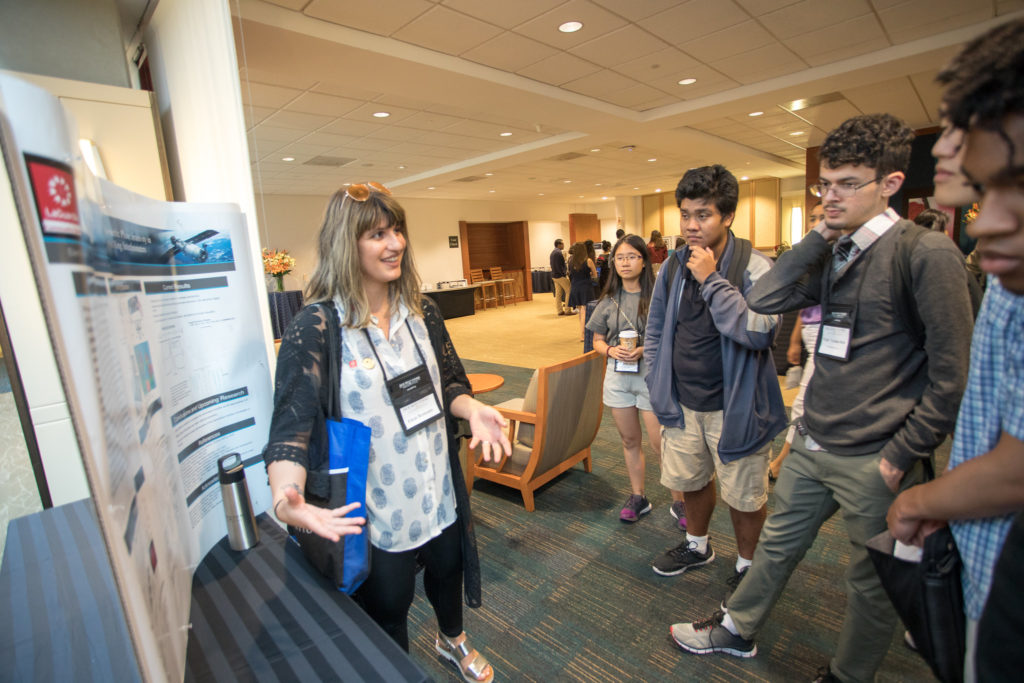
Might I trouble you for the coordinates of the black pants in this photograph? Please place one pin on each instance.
(387, 593)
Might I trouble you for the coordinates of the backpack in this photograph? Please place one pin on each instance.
(734, 274)
(903, 286)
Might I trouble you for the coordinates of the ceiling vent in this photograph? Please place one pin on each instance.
(334, 162)
(470, 179)
(568, 156)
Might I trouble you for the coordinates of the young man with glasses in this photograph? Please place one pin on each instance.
(879, 402)
(712, 380)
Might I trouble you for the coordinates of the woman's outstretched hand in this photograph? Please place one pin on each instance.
(488, 429)
(331, 524)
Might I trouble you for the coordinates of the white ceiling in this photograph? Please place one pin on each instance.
(592, 114)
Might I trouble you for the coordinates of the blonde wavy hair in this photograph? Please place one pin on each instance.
(338, 273)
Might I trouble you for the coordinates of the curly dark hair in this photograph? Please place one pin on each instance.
(710, 183)
(933, 219)
(878, 141)
(986, 79)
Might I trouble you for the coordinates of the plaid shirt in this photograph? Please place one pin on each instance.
(992, 404)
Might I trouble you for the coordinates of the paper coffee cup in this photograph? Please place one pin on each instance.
(628, 339)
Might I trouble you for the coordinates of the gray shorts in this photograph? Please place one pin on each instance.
(689, 460)
(625, 389)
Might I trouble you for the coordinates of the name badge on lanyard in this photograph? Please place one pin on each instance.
(412, 392)
(836, 331)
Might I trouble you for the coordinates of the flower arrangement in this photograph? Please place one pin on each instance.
(277, 263)
(971, 214)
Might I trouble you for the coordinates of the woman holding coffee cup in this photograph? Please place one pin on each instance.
(618, 324)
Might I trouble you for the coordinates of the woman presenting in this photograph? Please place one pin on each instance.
(417, 509)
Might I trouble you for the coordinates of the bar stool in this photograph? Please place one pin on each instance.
(476, 277)
(506, 285)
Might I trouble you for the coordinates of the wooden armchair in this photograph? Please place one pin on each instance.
(551, 428)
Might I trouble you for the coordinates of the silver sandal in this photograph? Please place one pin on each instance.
(471, 664)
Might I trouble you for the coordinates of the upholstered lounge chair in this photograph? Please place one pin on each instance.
(551, 428)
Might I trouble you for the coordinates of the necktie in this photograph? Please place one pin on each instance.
(843, 252)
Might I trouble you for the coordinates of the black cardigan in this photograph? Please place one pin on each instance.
(298, 431)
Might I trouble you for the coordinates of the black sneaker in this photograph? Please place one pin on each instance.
(825, 675)
(733, 582)
(709, 636)
(684, 556)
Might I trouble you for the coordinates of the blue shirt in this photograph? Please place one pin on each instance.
(992, 404)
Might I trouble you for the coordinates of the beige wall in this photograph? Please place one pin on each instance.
(291, 222)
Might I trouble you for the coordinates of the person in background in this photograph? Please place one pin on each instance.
(582, 273)
(619, 234)
(623, 307)
(604, 266)
(806, 331)
(880, 400)
(983, 486)
(417, 508)
(680, 243)
(933, 219)
(657, 248)
(560, 278)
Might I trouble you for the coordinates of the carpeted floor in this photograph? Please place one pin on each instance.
(569, 593)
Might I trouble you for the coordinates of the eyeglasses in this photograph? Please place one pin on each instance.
(360, 192)
(627, 258)
(841, 190)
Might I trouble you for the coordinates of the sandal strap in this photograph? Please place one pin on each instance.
(470, 660)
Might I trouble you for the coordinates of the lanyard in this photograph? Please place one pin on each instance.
(412, 392)
(622, 314)
(415, 345)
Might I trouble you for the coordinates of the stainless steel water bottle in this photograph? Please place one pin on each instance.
(242, 531)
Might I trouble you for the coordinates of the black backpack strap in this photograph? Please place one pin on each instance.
(333, 352)
(902, 284)
(673, 267)
(740, 260)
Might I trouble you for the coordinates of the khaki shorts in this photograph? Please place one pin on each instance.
(689, 460)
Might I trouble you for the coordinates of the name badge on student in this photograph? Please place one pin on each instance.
(836, 332)
(627, 366)
(412, 395)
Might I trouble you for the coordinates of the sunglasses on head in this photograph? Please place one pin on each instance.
(360, 192)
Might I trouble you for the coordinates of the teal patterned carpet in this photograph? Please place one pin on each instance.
(569, 593)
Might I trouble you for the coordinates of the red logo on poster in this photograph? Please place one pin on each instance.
(53, 187)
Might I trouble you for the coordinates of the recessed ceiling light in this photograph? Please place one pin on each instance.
(540, 194)
(287, 158)
(580, 196)
(745, 177)
(382, 114)
(566, 181)
(430, 188)
(491, 191)
(604, 199)
(570, 27)
(596, 149)
(688, 81)
(658, 189)
(401, 167)
(797, 132)
(652, 159)
(756, 113)
(597, 184)
(636, 188)
(506, 134)
(488, 174)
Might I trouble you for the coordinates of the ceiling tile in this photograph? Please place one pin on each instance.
(729, 42)
(339, 90)
(349, 127)
(446, 30)
(830, 114)
(930, 93)
(326, 105)
(294, 119)
(758, 7)
(504, 14)
(895, 96)
(1006, 6)
(635, 11)
(667, 63)
(263, 95)
(558, 69)
(427, 120)
(599, 84)
(618, 47)
(249, 74)
(509, 52)
(289, 4)
(395, 134)
(760, 64)
(693, 19)
(254, 115)
(366, 113)
(328, 139)
(382, 17)
(919, 18)
(812, 15)
(596, 22)
(267, 133)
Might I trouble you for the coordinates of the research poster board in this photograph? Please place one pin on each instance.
(153, 313)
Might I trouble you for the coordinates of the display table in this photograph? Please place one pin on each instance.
(264, 614)
(454, 302)
(283, 307)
